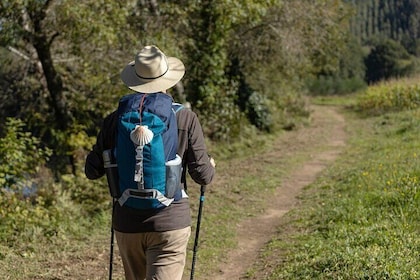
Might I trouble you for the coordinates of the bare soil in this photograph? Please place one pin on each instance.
(323, 140)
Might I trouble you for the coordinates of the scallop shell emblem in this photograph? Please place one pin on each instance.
(141, 135)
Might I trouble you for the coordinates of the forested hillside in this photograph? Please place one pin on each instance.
(395, 19)
(389, 32)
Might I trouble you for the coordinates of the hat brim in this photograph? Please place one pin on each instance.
(176, 71)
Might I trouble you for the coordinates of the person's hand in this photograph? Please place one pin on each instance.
(212, 162)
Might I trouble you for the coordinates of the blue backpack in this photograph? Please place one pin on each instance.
(149, 169)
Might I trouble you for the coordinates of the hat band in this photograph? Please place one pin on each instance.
(144, 78)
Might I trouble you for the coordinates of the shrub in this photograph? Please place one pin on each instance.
(33, 208)
(258, 112)
(389, 96)
(330, 85)
(92, 196)
(21, 157)
(28, 200)
(387, 59)
(253, 104)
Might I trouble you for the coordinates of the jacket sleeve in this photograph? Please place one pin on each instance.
(193, 148)
(94, 166)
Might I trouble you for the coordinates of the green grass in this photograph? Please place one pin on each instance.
(361, 219)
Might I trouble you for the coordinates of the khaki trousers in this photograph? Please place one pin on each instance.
(154, 255)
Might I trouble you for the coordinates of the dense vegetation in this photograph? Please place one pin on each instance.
(249, 66)
(246, 69)
(383, 44)
(394, 19)
(61, 62)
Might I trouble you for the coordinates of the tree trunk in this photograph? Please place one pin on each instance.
(42, 44)
(54, 82)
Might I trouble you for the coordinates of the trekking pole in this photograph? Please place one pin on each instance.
(111, 170)
(111, 249)
(197, 230)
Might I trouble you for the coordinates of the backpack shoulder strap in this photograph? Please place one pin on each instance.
(176, 107)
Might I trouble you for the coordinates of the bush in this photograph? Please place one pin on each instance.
(330, 85)
(28, 200)
(387, 59)
(255, 107)
(92, 196)
(33, 208)
(349, 77)
(21, 157)
(224, 126)
(251, 102)
(258, 112)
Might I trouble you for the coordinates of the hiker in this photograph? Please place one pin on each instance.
(153, 242)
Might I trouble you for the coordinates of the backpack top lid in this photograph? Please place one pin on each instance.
(159, 104)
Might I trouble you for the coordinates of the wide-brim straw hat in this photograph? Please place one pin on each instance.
(152, 71)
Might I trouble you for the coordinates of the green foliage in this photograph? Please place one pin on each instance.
(258, 111)
(252, 103)
(64, 68)
(350, 76)
(209, 88)
(208, 56)
(28, 202)
(390, 96)
(292, 109)
(310, 38)
(225, 125)
(91, 196)
(330, 85)
(34, 208)
(21, 156)
(87, 55)
(387, 59)
(29, 219)
(393, 19)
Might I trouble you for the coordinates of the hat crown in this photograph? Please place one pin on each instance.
(150, 63)
(152, 71)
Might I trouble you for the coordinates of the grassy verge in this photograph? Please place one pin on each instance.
(360, 220)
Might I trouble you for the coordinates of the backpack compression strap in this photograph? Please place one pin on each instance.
(145, 194)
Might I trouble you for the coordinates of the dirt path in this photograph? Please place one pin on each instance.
(323, 141)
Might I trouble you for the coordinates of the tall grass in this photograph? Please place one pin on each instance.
(395, 95)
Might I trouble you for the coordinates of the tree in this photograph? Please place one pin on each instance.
(210, 88)
(28, 23)
(59, 48)
(387, 59)
(67, 56)
(394, 19)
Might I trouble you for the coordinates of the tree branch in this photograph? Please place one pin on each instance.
(18, 53)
